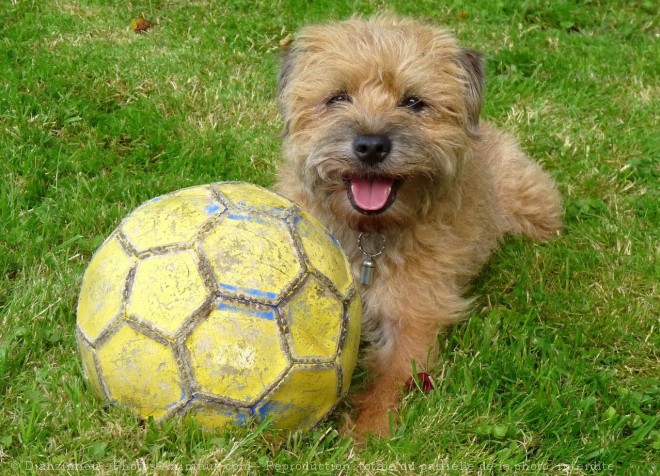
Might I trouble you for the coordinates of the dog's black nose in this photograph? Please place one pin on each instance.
(372, 149)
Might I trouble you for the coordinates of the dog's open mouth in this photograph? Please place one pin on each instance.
(371, 195)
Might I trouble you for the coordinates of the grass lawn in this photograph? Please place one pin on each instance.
(556, 370)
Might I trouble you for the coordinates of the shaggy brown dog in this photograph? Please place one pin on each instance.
(382, 135)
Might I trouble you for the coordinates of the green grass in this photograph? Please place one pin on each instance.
(555, 372)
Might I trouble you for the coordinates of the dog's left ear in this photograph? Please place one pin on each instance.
(472, 62)
(286, 65)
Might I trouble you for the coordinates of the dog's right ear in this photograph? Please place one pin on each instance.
(472, 62)
(286, 65)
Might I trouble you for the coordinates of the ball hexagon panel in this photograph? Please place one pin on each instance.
(252, 255)
(216, 416)
(237, 352)
(167, 290)
(171, 219)
(324, 252)
(89, 365)
(103, 288)
(249, 196)
(348, 359)
(314, 317)
(302, 398)
(151, 386)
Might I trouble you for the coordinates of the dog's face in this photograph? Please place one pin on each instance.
(377, 116)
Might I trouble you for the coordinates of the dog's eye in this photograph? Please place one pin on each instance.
(414, 104)
(339, 98)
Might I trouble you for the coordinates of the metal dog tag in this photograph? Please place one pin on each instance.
(369, 264)
(367, 271)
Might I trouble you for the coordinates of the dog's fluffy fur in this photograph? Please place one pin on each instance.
(390, 102)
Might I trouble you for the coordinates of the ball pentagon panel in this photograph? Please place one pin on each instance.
(237, 352)
(172, 219)
(324, 252)
(249, 197)
(292, 408)
(102, 291)
(167, 290)
(314, 317)
(252, 256)
(151, 386)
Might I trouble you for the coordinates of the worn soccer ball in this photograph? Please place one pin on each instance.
(226, 302)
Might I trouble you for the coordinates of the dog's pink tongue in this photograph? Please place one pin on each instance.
(371, 194)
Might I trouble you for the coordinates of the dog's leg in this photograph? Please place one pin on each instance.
(527, 194)
(389, 367)
(531, 201)
(409, 326)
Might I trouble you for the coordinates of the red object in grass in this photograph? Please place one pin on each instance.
(424, 381)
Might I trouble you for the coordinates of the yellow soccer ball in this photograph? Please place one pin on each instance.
(224, 301)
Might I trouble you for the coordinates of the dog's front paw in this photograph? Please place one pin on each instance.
(372, 422)
(374, 414)
(365, 425)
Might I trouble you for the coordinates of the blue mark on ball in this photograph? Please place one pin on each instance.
(256, 219)
(272, 408)
(212, 208)
(240, 418)
(182, 397)
(249, 291)
(300, 218)
(334, 240)
(268, 315)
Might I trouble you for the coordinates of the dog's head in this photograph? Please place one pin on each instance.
(378, 114)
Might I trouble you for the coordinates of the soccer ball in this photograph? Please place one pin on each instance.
(226, 302)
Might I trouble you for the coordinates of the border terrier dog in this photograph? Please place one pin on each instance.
(383, 143)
